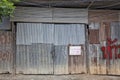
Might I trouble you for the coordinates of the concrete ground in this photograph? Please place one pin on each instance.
(59, 77)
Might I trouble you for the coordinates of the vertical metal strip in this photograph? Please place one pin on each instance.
(87, 48)
(14, 47)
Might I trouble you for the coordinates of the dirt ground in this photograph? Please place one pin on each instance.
(59, 77)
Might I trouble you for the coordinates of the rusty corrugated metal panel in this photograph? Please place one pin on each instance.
(102, 62)
(66, 34)
(103, 15)
(92, 59)
(110, 41)
(77, 63)
(96, 62)
(104, 31)
(114, 62)
(93, 36)
(6, 52)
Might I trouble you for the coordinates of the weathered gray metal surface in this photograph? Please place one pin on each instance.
(93, 25)
(77, 63)
(61, 59)
(114, 62)
(34, 59)
(57, 15)
(66, 34)
(96, 62)
(43, 48)
(6, 52)
(34, 45)
(104, 57)
(97, 39)
(115, 30)
(28, 33)
(5, 24)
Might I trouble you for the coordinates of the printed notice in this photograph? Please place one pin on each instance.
(74, 50)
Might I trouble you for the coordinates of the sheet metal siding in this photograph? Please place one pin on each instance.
(97, 64)
(115, 28)
(114, 63)
(6, 52)
(94, 25)
(77, 62)
(110, 65)
(56, 15)
(34, 33)
(61, 59)
(93, 36)
(66, 34)
(34, 59)
(34, 49)
(43, 48)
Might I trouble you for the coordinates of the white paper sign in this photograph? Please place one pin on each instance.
(74, 50)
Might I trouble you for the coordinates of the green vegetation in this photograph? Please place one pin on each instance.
(7, 8)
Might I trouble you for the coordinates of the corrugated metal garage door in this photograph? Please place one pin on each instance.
(43, 48)
(34, 45)
(66, 34)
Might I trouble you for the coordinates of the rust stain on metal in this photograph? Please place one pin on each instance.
(5, 56)
(5, 45)
(94, 36)
(76, 63)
